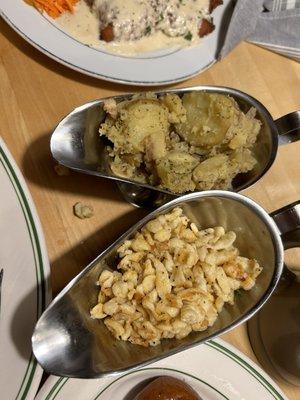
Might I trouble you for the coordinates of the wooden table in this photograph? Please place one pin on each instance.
(35, 92)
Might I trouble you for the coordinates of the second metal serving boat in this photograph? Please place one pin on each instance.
(68, 342)
(76, 144)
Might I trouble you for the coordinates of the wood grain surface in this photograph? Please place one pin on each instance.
(36, 92)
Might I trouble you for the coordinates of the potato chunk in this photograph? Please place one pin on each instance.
(208, 119)
(174, 171)
(214, 170)
(147, 119)
(142, 124)
(177, 113)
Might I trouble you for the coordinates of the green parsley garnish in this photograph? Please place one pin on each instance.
(148, 30)
(188, 36)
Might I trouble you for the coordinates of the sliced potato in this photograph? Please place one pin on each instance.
(242, 160)
(179, 162)
(209, 117)
(139, 120)
(177, 113)
(245, 131)
(213, 170)
(174, 171)
(147, 118)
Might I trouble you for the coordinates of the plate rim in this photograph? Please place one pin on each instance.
(33, 373)
(54, 384)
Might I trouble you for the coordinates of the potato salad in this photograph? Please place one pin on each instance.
(198, 142)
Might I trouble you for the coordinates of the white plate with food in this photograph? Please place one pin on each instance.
(25, 291)
(215, 370)
(136, 42)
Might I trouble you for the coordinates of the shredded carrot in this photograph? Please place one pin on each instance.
(54, 8)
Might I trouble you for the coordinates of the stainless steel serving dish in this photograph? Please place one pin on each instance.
(75, 143)
(67, 342)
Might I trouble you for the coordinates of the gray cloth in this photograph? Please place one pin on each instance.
(274, 24)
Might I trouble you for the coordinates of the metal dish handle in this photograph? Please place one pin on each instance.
(288, 127)
(287, 220)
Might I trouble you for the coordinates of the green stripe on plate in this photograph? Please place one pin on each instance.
(56, 388)
(39, 267)
(263, 381)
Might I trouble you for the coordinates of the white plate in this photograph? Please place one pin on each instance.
(25, 292)
(215, 369)
(158, 68)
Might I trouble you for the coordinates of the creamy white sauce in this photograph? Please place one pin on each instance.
(133, 17)
(83, 25)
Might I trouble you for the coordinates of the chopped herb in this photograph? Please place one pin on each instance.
(238, 292)
(188, 36)
(161, 17)
(148, 30)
